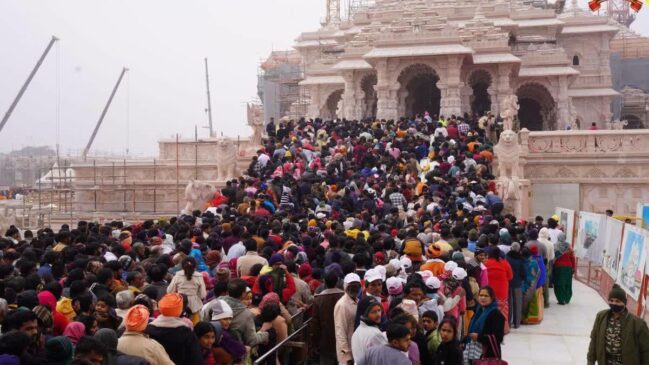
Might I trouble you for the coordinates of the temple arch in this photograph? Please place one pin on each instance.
(330, 108)
(480, 80)
(419, 92)
(370, 97)
(537, 109)
(633, 122)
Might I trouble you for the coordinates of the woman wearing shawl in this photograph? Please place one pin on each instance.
(534, 288)
(74, 331)
(564, 266)
(487, 326)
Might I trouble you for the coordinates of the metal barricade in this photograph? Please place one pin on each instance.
(286, 341)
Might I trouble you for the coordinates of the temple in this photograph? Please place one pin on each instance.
(405, 57)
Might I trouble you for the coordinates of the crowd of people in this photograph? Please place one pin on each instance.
(387, 238)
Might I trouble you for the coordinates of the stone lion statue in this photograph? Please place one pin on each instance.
(509, 112)
(226, 159)
(197, 193)
(508, 152)
(256, 122)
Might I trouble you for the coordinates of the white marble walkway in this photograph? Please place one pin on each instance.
(562, 337)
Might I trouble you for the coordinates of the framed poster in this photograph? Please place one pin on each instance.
(632, 262)
(590, 237)
(567, 221)
(611, 256)
(642, 211)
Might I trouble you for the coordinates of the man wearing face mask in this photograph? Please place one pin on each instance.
(618, 337)
(344, 314)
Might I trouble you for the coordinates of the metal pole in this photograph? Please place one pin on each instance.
(103, 113)
(26, 84)
(177, 175)
(195, 152)
(124, 184)
(154, 186)
(94, 178)
(209, 100)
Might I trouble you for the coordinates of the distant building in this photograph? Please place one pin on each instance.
(25, 167)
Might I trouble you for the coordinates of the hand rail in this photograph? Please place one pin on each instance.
(301, 311)
(277, 347)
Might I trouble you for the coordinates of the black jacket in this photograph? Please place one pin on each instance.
(494, 327)
(517, 262)
(449, 353)
(180, 343)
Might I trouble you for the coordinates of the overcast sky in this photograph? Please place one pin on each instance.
(163, 42)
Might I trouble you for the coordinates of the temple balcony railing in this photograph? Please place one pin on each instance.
(582, 143)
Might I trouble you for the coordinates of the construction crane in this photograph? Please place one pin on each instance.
(26, 84)
(103, 113)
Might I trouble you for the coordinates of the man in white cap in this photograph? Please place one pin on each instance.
(344, 316)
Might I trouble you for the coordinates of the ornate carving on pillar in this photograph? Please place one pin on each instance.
(349, 97)
(313, 110)
(386, 91)
(465, 95)
(563, 104)
(451, 102)
(493, 97)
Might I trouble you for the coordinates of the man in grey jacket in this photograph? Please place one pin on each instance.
(243, 321)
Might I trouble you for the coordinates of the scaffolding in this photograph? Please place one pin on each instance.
(106, 190)
(278, 85)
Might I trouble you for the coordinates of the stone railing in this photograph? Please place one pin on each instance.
(583, 142)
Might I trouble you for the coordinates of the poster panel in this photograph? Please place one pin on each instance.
(611, 257)
(591, 234)
(567, 221)
(632, 262)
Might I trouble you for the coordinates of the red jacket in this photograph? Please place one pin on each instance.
(500, 273)
(566, 260)
(265, 281)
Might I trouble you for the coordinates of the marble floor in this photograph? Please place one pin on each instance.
(562, 337)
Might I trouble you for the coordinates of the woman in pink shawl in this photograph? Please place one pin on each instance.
(74, 331)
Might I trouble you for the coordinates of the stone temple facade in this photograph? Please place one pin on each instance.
(404, 57)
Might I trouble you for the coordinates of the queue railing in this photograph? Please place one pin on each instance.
(289, 340)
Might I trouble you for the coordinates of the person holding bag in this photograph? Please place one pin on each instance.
(486, 331)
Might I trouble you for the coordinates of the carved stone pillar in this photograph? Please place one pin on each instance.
(402, 107)
(563, 105)
(465, 96)
(349, 97)
(493, 98)
(313, 110)
(451, 102)
(359, 107)
(385, 91)
(503, 90)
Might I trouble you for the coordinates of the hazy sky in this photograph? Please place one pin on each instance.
(163, 42)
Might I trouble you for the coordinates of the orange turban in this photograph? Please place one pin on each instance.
(171, 305)
(137, 318)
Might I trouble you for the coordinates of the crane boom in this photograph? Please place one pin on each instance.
(26, 84)
(103, 113)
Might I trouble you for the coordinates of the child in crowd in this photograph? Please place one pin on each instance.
(448, 352)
